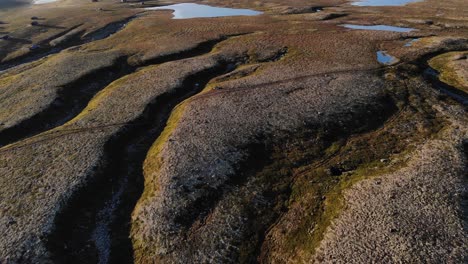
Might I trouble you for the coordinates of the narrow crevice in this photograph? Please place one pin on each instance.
(95, 225)
(107, 30)
(44, 48)
(332, 16)
(458, 95)
(432, 76)
(35, 55)
(74, 97)
(71, 100)
(61, 34)
(200, 49)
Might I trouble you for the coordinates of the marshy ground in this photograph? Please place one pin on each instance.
(306, 132)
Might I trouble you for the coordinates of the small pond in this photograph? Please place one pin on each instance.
(379, 28)
(383, 2)
(384, 58)
(38, 2)
(189, 10)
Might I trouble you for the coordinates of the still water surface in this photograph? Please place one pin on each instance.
(189, 10)
(379, 28)
(383, 2)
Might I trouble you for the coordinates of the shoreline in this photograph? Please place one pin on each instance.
(40, 2)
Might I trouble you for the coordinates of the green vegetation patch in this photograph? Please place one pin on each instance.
(452, 68)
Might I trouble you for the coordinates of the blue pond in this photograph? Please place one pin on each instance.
(189, 10)
(379, 27)
(38, 2)
(383, 2)
(385, 58)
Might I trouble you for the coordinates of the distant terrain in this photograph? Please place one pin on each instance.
(13, 3)
(301, 131)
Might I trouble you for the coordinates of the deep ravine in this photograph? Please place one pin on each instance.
(73, 97)
(44, 48)
(94, 227)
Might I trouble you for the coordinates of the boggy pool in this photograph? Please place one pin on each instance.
(379, 28)
(383, 2)
(190, 10)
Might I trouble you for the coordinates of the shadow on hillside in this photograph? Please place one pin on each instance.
(19, 40)
(49, 26)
